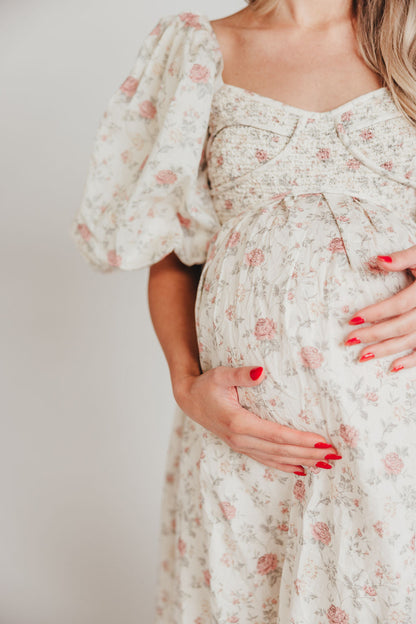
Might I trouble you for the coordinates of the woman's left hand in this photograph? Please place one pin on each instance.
(393, 320)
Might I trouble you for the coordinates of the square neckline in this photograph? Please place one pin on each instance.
(299, 111)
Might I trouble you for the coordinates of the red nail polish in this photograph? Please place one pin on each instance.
(366, 356)
(256, 372)
(385, 258)
(301, 474)
(357, 320)
(322, 445)
(397, 368)
(352, 341)
(322, 464)
(333, 456)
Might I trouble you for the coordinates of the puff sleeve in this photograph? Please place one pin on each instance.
(146, 192)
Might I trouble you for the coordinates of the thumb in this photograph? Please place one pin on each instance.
(399, 260)
(241, 375)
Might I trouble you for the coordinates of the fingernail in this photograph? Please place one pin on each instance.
(357, 320)
(322, 445)
(366, 356)
(301, 474)
(333, 456)
(385, 258)
(322, 464)
(256, 372)
(397, 368)
(352, 341)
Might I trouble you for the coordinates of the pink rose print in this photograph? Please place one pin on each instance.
(228, 204)
(147, 109)
(228, 510)
(336, 245)
(129, 86)
(261, 155)
(156, 30)
(378, 527)
(353, 164)
(181, 547)
(183, 221)
(311, 357)
(320, 531)
(254, 257)
(166, 176)
(366, 134)
(265, 329)
(113, 258)
(199, 73)
(388, 165)
(323, 153)
(346, 116)
(299, 490)
(349, 435)
(190, 19)
(84, 231)
(336, 615)
(266, 563)
(393, 463)
(229, 312)
(207, 577)
(220, 160)
(233, 239)
(369, 590)
(372, 396)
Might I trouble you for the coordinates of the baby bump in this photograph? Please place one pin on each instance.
(278, 289)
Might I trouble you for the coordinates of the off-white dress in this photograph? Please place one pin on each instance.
(287, 209)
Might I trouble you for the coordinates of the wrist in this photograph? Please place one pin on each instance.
(181, 385)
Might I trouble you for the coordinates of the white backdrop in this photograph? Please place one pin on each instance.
(86, 398)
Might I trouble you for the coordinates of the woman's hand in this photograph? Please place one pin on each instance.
(393, 320)
(211, 400)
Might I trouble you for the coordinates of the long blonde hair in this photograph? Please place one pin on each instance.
(386, 36)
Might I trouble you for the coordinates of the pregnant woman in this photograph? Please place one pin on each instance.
(263, 166)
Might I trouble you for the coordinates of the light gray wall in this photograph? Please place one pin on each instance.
(86, 398)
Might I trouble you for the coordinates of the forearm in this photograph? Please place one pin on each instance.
(171, 294)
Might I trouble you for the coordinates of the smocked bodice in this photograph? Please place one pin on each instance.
(259, 150)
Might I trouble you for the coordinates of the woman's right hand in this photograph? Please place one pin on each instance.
(211, 400)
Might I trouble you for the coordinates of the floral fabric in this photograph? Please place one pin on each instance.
(286, 209)
(146, 193)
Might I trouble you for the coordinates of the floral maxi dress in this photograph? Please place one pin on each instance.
(286, 210)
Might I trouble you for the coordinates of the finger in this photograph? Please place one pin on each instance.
(392, 328)
(253, 425)
(407, 361)
(388, 347)
(401, 302)
(227, 376)
(273, 463)
(286, 452)
(399, 260)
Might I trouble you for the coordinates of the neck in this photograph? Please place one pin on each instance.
(311, 14)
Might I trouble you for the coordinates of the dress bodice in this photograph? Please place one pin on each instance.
(259, 150)
(178, 153)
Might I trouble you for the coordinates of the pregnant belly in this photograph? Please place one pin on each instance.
(277, 290)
